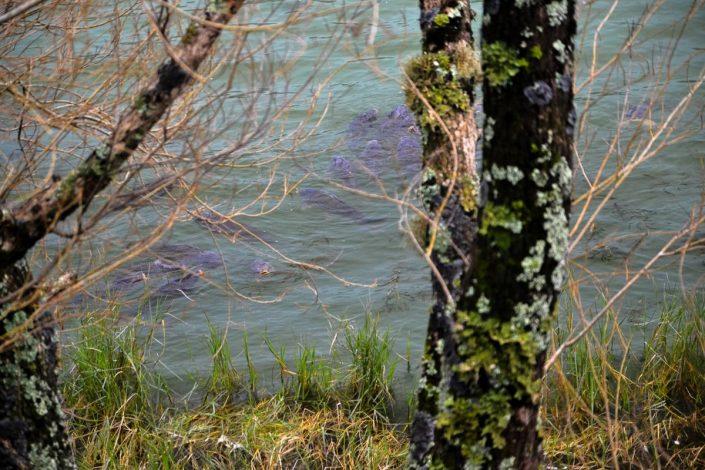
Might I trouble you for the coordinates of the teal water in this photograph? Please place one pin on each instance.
(293, 305)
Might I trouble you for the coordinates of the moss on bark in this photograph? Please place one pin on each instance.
(485, 351)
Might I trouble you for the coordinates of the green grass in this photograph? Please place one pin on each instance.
(610, 402)
(372, 366)
(325, 414)
(635, 404)
(224, 381)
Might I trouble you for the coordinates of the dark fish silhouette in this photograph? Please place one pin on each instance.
(362, 128)
(341, 169)
(374, 156)
(126, 282)
(399, 120)
(180, 286)
(375, 140)
(398, 124)
(409, 154)
(225, 226)
(261, 267)
(172, 258)
(333, 204)
(637, 112)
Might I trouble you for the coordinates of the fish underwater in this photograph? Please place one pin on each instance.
(228, 227)
(409, 154)
(374, 156)
(376, 140)
(180, 286)
(261, 267)
(171, 258)
(361, 129)
(332, 204)
(341, 169)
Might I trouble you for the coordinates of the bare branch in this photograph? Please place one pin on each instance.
(17, 11)
(23, 226)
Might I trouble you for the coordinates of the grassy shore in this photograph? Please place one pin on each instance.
(609, 403)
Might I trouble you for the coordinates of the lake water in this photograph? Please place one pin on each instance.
(294, 306)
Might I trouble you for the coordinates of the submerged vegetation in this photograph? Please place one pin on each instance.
(610, 403)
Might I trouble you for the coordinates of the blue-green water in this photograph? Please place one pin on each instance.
(294, 305)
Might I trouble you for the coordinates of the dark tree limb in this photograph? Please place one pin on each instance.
(21, 227)
(19, 10)
(32, 429)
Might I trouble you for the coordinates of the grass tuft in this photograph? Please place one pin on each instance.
(611, 403)
(618, 404)
(372, 367)
(318, 419)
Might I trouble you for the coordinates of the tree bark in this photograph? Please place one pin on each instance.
(440, 93)
(489, 394)
(32, 430)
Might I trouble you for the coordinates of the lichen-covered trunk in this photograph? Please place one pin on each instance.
(489, 395)
(440, 93)
(32, 431)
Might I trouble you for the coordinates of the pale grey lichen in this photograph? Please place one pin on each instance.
(556, 226)
(41, 457)
(565, 82)
(562, 53)
(507, 463)
(557, 12)
(455, 12)
(531, 265)
(489, 129)
(558, 276)
(510, 173)
(539, 177)
(483, 304)
(527, 33)
(565, 175)
(427, 192)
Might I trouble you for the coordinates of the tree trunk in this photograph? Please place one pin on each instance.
(489, 400)
(440, 92)
(32, 430)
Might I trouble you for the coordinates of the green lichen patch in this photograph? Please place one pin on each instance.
(468, 193)
(495, 352)
(499, 222)
(536, 52)
(500, 63)
(441, 20)
(439, 78)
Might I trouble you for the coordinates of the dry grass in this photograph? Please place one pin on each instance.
(610, 403)
(615, 403)
(124, 416)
